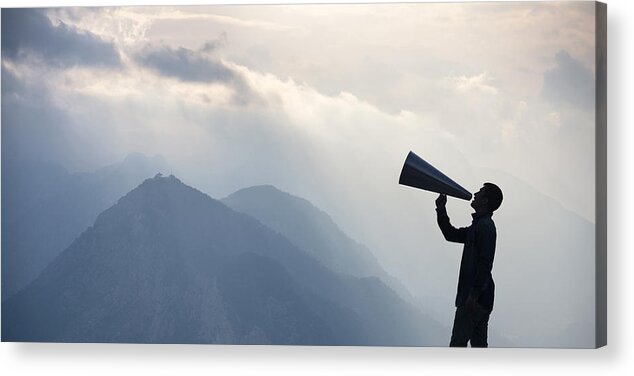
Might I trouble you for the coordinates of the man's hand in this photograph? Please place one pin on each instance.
(441, 201)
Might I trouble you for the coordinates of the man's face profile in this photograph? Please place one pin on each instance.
(479, 201)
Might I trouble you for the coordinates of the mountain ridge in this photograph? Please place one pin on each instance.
(169, 264)
(312, 230)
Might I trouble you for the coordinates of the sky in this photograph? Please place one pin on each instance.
(322, 101)
(514, 95)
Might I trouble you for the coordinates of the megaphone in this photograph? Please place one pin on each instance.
(419, 174)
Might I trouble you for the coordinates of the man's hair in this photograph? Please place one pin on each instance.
(494, 196)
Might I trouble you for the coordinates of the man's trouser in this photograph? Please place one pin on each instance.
(470, 326)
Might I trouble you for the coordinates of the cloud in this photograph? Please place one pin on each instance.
(478, 83)
(197, 66)
(29, 32)
(212, 45)
(569, 83)
(235, 21)
(185, 64)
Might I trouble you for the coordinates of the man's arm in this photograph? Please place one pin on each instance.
(485, 236)
(452, 234)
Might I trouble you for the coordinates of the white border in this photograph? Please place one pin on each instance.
(615, 359)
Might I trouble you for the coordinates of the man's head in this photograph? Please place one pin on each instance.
(487, 199)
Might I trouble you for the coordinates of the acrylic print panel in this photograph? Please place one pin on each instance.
(230, 174)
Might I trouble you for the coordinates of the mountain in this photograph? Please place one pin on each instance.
(44, 208)
(168, 264)
(310, 229)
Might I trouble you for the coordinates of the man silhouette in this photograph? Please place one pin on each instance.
(474, 299)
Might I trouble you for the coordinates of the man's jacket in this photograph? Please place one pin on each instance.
(477, 256)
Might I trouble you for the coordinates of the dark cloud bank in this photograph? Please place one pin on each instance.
(196, 66)
(184, 64)
(30, 32)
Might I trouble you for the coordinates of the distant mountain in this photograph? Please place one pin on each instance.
(310, 229)
(44, 208)
(168, 264)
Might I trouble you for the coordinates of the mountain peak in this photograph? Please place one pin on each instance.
(164, 198)
(166, 179)
(270, 197)
(261, 189)
(306, 226)
(167, 185)
(161, 180)
(166, 190)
